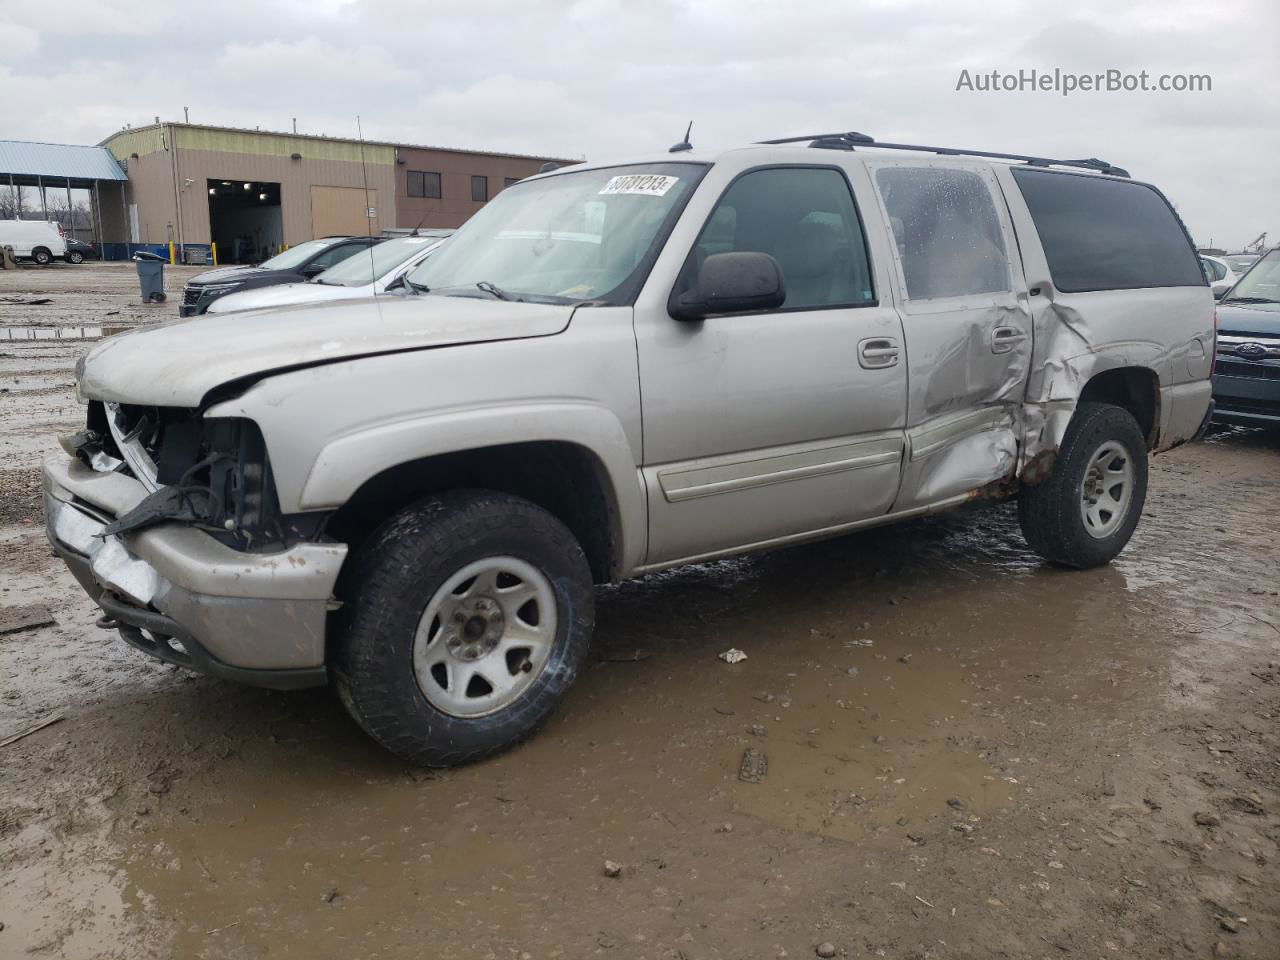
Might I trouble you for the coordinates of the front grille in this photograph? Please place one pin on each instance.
(190, 296)
(1257, 370)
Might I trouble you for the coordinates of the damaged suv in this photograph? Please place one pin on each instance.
(615, 368)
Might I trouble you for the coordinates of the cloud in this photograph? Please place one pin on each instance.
(612, 78)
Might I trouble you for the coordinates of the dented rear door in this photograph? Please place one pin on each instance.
(963, 301)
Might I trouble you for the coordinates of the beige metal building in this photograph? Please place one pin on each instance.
(252, 192)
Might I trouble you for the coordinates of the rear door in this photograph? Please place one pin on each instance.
(963, 301)
(765, 426)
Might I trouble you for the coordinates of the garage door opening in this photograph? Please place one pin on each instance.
(245, 220)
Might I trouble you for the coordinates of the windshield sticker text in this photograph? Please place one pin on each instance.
(644, 184)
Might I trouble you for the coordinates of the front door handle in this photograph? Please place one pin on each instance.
(1003, 339)
(878, 352)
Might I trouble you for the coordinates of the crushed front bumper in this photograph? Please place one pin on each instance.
(184, 597)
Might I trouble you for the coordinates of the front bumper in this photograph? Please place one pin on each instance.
(184, 597)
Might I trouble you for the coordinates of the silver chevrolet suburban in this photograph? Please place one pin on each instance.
(615, 368)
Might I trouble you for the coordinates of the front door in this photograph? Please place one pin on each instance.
(760, 427)
(968, 329)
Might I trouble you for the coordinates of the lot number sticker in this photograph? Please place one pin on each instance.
(644, 184)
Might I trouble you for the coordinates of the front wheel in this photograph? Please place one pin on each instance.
(1085, 512)
(75, 256)
(465, 620)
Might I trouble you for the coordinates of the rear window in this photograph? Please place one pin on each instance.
(1103, 234)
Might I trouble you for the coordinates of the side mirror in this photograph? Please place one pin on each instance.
(742, 282)
(1219, 294)
(313, 270)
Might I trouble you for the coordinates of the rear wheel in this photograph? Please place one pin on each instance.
(1085, 512)
(42, 256)
(466, 619)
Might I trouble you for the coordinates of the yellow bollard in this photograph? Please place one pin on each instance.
(172, 259)
(213, 253)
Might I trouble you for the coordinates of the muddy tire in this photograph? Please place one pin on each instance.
(1085, 512)
(465, 619)
(42, 256)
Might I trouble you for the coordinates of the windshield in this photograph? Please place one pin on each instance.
(1261, 284)
(377, 262)
(1241, 264)
(567, 238)
(295, 256)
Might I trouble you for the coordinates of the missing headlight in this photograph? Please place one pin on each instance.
(217, 476)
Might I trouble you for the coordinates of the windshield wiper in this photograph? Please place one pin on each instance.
(496, 291)
(1248, 300)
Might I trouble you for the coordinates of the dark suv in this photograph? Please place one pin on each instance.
(1246, 379)
(294, 265)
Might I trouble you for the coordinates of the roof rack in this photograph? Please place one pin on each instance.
(853, 140)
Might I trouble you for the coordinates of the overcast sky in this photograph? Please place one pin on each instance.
(608, 78)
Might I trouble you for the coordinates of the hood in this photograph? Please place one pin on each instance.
(176, 364)
(1246, 318)
(226, 275)
(285, 294)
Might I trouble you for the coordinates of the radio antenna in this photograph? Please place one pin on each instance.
(368, 219)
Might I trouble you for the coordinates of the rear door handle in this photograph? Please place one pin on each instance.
(877, 352)
(1003, 339)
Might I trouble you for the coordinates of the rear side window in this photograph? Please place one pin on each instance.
(948, 235)
(1103, 234)
(805, 218)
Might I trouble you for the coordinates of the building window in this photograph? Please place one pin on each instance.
(509, 182)
(480, 189)
(424, 184)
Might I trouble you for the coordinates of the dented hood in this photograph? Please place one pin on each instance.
(178, 363)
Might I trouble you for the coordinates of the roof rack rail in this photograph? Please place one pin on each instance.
(852, 140)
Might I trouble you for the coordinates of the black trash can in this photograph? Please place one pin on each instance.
(150, 276)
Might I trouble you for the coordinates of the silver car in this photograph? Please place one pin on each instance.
(616, 368)
(379, 270)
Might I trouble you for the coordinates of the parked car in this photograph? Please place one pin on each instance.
(78, 251)
(1219, 274)
(40, 241)
(294, 265)
(1246, 377)
(614, 369)
(1241, 262)
(364, 276)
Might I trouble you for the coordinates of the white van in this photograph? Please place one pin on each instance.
(38, 240)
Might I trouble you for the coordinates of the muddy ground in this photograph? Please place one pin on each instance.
(969, 755)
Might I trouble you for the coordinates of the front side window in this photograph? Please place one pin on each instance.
(296, 256)
(805, 218)
(570, 237)
(424, 183)
(480, 189)
(337, 254)
(947, 232)
(1100, 233)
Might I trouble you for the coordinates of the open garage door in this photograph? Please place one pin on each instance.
(244, 220)
(343, 210)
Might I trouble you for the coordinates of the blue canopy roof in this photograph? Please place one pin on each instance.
(57, 161)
